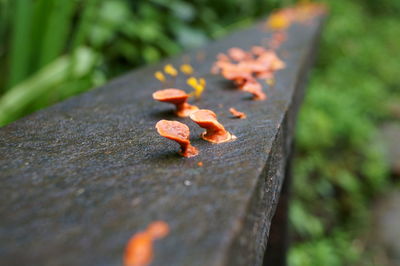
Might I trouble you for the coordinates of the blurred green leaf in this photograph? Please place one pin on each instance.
(45, 81)
(20, 52)
(56, 30)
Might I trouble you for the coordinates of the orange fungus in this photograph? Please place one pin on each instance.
(158, 229)
(247, 67)
(178, 132)
(178, 98)
(258, 50)
(215, 132)
(281, 19)
(139, 249)
(255, 89)
(237, 54)
(237, 114)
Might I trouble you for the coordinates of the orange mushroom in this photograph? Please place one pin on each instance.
(158, 229)
(177, 97)
(258, 50)
(215, 132)
(252, 66)
(237, 114)
(254, 88)
(237, 54)
(271, 61)
(178, 132)
(223, 57)
(139, 250)
(247, 67)
(237, 75)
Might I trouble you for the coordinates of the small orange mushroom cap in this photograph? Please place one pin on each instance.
(237, 54)
(178, 98)
(223, 57)
(215, 131)
(178, 132)
(254, 88)
(237, 114)
(258, 50)
(158, 229)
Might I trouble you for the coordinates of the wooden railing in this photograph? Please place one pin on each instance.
(78, 179)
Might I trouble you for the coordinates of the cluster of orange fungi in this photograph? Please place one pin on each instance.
(302, 12)
(180, 133)
(139, 249)
(245, 67)
(241, 67)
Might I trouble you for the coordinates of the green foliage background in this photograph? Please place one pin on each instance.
(340, 164)
(53, 49)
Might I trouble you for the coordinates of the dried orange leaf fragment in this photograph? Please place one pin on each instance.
(215, 131)
(237, 114)
(178, 98)
(178, 132)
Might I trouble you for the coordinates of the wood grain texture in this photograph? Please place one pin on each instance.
(79, 178)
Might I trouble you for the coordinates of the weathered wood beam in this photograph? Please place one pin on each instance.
(79, 178)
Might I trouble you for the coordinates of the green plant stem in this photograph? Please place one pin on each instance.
(20, 40)
(56, 31)
(53, 75)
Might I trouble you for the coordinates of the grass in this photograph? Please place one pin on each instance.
(20, 51)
